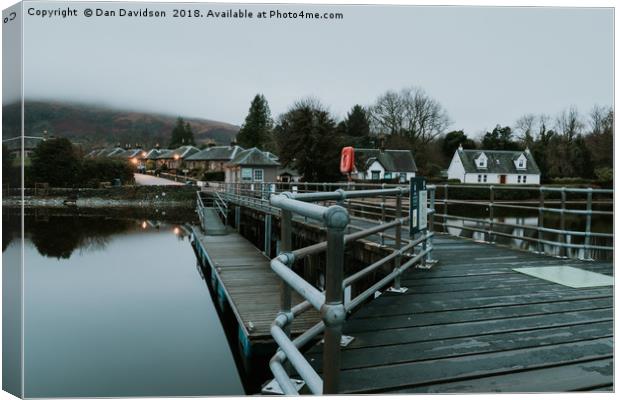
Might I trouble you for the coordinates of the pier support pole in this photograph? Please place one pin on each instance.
(586, 239)
(541, 205)
(286, 245)
(238, 218)
(398, 234)
(267, 246)
(333, 312)
(563, 239)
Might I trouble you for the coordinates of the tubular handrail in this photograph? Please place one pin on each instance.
(329, 302)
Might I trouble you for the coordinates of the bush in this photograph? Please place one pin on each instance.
(213, 176)
(604, 174)
(94, 171)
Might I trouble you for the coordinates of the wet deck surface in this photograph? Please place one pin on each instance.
(252, 288)
(472, 324)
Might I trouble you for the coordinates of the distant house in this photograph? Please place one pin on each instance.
(173, 159)
(380, 164)
(252, 165)
(213, 158)
(14, 145)
(288, 175)
(494, 166)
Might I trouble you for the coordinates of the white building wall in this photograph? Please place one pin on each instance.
(511, 179)
(456, 169)
(375, 166)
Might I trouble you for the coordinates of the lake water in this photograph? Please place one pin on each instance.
(117, 307)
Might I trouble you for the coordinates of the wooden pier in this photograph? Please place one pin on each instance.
(246, 282)
(472, 324)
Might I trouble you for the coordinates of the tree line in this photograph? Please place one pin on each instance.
(309, 138)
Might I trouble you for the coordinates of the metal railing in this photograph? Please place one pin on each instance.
(557, 221)
(335, 218)
(546, 213)
(213, 200)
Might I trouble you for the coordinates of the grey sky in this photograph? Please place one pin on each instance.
(484, 65)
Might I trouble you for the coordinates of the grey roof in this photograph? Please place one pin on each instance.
(216, 153)
(288, 171)
(15, 143)
(392, 160)
(498, 161)
(253, 156)
(182, 152)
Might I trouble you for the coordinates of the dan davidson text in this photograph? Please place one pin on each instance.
(122, 12)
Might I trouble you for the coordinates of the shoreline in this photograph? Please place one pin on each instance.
(92, 202)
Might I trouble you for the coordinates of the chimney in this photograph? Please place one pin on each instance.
(382, 143)
(157, 146)
(460, 146)
(210, 143)
(233, 143)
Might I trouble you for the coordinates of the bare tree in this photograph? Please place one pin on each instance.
(525, 127)
(569, 123)
(387, 114)
(600, 120)
(411, 113)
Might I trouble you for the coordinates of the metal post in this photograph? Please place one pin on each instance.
(381, 235)
(399, 207)
(286, 236)
(267, 246)
(491, 200)
(586, 239)
(238, 218)
(333, 312)
(445, 207)
(563, 237)
(429, 256)
(541, 205)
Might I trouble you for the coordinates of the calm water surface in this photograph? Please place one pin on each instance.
(117, 307)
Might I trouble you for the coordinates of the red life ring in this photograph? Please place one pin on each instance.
(347, 157)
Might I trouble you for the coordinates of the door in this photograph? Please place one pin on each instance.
(502, 179)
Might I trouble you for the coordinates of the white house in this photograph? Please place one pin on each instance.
(494, 167)
(380, 164)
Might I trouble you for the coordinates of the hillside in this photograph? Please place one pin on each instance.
(94, 126)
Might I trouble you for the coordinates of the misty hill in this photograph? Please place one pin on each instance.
(94, 126)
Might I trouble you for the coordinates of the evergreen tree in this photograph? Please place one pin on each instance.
(500, 138)
(55, 161)
(256, 130)
(178, 134)
(189, 135)
(453, 140)
(356, 127)
(309, 141)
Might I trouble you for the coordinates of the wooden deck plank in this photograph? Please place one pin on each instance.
(472, 324)
(253, 288)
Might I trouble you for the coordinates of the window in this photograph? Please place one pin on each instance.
(484, 178)
(519, 179)
(258, 175)
(375, 175)
(387, 175)
(521, 163)
(479, 178)
(246, 174)
(524, 178)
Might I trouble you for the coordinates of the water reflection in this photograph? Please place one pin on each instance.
(58, 233)
(114, 306)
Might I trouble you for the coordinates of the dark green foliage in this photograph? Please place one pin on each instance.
(213, 176)
(182, 134)
(356, 128)
(256, 130)
(94, 171)
(453, 140)
(11, 173)
(500, 138)
(309, 142)
(55, 162)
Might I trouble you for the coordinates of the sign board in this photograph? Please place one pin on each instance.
(418, 196)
